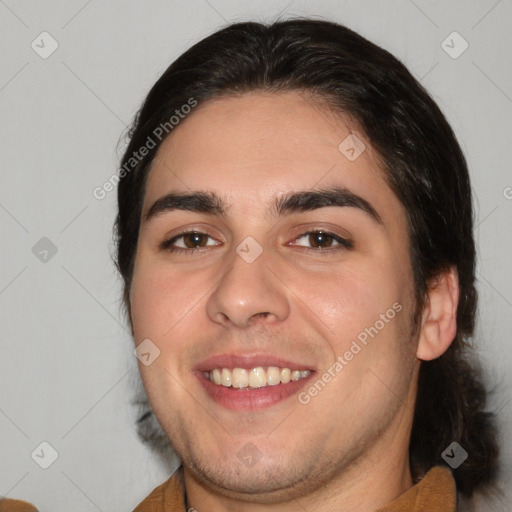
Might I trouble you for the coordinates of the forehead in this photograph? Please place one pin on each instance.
(252, 147)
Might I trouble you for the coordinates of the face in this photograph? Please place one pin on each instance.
(293, 293)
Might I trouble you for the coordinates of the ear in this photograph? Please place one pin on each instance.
(439, 320)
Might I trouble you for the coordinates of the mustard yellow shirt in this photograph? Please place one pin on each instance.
(7, 505)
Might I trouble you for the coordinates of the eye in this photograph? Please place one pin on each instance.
(188, 241)
(191, 241)
(320, 239)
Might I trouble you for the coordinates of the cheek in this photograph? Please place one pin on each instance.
(168, 307)
(368, 320)
(161, 302)
(355, 298)
(159, 299)
(367, 310)
(148, 300)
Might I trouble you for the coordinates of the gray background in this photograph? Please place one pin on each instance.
(67, 372)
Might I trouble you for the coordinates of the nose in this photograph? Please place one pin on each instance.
(248, 293)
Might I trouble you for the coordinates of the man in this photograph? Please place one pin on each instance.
(295, 239)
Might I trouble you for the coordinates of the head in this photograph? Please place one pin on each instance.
(290, 128)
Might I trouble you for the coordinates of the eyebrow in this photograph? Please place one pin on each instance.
(302, 201)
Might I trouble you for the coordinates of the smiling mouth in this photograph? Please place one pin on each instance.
(254, 378)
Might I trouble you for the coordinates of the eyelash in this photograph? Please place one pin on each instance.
(343, 242)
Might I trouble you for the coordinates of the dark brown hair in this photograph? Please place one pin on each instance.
(423, 164)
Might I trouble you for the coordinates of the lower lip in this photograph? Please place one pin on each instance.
(249, 399)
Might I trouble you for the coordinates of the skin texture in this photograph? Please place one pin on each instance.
(348, 447)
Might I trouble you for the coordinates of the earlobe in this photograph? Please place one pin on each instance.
(439, 320)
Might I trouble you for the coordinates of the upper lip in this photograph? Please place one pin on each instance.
(248, 361)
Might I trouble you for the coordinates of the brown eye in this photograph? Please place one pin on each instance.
(188, 242)
(324, 240)
(320, 239)
(193, 240)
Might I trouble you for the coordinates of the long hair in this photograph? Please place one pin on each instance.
(423, 164)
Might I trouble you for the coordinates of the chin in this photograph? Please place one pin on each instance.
(257, 484)
(266, 480)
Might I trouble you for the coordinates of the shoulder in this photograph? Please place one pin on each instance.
(169, 496)
(154, 502)
(7, 505)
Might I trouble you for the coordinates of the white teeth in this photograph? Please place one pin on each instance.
(226, 377)
(295, 375)
(257, 377)
(239, 378)
(273, 376)
(216, 376)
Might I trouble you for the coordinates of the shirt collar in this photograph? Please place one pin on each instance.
(435, 491)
